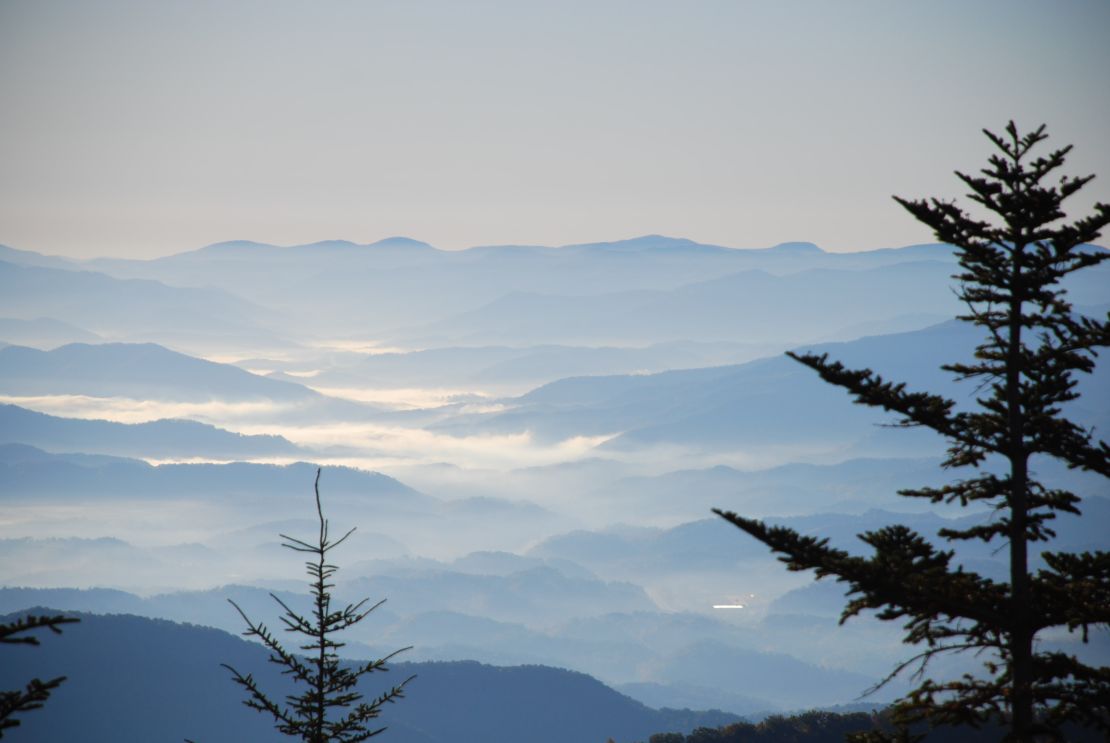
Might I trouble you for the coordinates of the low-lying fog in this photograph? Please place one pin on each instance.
(539, 492)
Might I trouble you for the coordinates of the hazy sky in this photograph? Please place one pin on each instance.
(141, 128)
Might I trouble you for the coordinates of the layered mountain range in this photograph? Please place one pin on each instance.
(529, 440)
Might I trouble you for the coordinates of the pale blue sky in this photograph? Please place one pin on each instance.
(141, 128)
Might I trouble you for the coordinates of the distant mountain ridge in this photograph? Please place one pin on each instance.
(136, 371)
(530, 365)
(131, 308)
(752, 305)
(763, 402)
(43, 332)
(26, 468)
(163, 673)
(399, 282)
(237, 246)
(397, 285)
(609, 646)
(641, 243)
(156, 439)
(31, 258)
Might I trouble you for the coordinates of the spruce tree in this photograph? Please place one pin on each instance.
(1033, 345)
(330, 684)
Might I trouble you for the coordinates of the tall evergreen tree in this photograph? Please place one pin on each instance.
(331, 684)
(37, 691)
(1033, 345)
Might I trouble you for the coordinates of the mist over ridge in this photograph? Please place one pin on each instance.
(529, 439)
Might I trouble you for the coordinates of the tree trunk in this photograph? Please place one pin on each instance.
(1021, 634)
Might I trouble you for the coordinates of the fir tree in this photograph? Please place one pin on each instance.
(331, 684)
(37, 691)
(1033, 345)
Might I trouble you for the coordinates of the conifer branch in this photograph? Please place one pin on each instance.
(35, 692)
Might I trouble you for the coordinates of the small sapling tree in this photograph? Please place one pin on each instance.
(330, 709)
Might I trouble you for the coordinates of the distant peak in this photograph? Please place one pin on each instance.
(659, 238)
(399, 241)
(651, 241)
(796, 247)
(225, 248)
(648, 244)
(403, 243)
(232, 244)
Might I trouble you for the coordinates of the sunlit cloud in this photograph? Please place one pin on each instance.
(403, 398)
(368, 347)
(371, 444)
(301, 374)
(364, 444)
(128, 410)
(380, 445)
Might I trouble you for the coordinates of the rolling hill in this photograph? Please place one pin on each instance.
(144, 371)
(163, 674)
(31, 470)
(401, 283)
(43, 333)
(134, 309)
(749, 306)
(763, 403)
(161, 439)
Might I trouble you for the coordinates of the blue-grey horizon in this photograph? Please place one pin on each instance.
(139, 128)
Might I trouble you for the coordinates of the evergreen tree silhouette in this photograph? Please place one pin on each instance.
(37, 691)
(1032, 346)
(331, 685)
